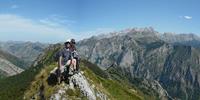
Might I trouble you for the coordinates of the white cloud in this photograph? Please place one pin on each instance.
(57, 20)
(51, 29)
(186, 17)
(14, 27)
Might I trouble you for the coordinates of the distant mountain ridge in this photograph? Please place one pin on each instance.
(189, 39)
(145, 53)
(26, 51)
(9, 64)
(16, 56)
(182, 39)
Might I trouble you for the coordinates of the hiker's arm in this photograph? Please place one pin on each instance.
(77, 57)
(60, 61)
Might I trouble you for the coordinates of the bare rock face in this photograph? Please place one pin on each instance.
(181, 39)
(143, 53)
(127, 59)
(60, 94)
(9, 68)
(85, 88)
(155, 85)
(78, 80)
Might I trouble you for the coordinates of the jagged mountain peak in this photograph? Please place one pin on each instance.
(129, 31)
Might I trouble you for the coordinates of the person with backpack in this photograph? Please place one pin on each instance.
(64, 59)
(76, 58)
(68, 60)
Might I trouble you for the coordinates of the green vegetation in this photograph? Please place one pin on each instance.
(29, 83)
(2, 74)
(13, 59)
(13, 88)
(114, 89)
(117, 74)
(94, 74)
(95, 69)
(39, 80)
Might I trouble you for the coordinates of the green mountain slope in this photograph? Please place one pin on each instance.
(10, 64)
(14, 87)
(26, 51)
(29, 83)
(13, 59)
(113, 89)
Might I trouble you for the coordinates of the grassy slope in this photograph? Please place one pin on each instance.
(13, 88)
(136, 83)
(114, 89)
(2, 74)
(13, 59)
(29, 82)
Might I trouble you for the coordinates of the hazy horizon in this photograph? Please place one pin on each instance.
(98, 34)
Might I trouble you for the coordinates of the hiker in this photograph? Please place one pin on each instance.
(75, 56)
(68, 59)
(64, 59)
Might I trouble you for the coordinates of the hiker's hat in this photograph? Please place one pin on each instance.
(67, 42)
(73, 41)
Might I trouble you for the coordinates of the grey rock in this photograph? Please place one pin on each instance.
(143, 53)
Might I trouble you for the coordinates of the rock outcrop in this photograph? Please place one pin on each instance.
(8, 68)
(78, 81)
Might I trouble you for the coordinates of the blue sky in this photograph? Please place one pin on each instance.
(58, 20)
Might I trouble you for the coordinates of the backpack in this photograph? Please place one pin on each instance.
(56, 56)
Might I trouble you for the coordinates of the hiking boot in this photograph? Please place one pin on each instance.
(70, 72)
(66, 81)
(76, 72)
(59, 80)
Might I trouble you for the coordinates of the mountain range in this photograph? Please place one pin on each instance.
(27, 51)
(91, 83)
(172, 61)
(181, 39)
(132, 64)
(16, 57)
